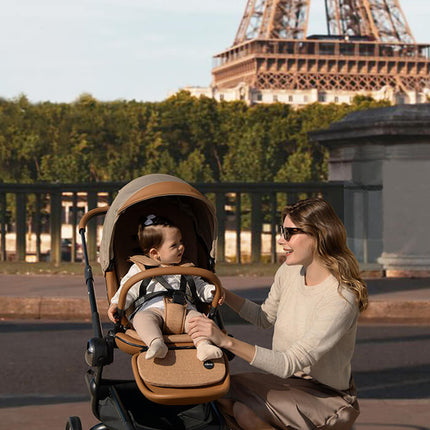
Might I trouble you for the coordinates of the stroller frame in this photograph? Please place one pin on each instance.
(120, 404)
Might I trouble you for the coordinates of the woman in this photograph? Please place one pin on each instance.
(313, 306)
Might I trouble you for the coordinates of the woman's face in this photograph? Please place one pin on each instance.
(300, 248)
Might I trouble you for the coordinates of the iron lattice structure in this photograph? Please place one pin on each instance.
(379, 20)
(368, 46)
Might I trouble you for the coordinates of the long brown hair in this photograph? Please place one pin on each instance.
(317, 218)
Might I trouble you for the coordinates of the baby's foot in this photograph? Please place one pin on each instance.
(157, 349)
(207, 351)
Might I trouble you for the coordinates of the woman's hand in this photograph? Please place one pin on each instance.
(113, 312)
(205, 327)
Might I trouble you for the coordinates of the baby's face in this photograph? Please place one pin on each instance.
(172, 248)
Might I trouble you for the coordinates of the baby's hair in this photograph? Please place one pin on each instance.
(150, 232)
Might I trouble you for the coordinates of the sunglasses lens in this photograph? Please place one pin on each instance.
(283, 231)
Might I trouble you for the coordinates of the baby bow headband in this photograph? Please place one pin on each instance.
(155, 220)
(150, 219)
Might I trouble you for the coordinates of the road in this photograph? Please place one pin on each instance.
(43, 362)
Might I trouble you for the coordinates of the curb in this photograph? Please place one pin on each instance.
(50, 308)
(78, 309)
(397, 312)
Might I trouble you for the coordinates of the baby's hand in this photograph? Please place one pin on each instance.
(221, 300)
(113, 312)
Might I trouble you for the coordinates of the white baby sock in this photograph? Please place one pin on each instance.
(207, 351)
(157, 349)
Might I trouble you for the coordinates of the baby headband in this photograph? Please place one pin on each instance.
(155, 220)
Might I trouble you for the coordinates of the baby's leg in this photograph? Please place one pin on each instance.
(205, 349)
(148, 325)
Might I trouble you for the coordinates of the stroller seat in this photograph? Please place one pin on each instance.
(179, 378)
(130, 342)
(175, 380)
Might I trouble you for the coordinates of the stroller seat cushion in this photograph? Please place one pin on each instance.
(168, 338)
(181, 369)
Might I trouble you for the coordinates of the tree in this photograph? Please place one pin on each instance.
(194, 168)
(198, 139)
(156, 158)
(298, 168)
(206, 135)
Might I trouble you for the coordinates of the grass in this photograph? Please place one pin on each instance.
(222, 269)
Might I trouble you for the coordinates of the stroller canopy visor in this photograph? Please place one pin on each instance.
(166, 196)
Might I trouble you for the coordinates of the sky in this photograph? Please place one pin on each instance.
(56, 50)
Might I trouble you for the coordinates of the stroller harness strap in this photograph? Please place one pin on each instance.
(187, 291)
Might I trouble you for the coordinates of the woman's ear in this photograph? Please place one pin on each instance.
(154, 254)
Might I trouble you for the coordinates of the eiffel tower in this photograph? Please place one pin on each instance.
(368, 49)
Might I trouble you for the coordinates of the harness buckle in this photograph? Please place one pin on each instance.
(178, 297)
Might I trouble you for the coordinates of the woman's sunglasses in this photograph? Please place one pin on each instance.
(287, 232)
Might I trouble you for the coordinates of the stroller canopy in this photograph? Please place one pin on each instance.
(166, 196)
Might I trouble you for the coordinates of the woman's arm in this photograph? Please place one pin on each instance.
(203, 326)
(234, 301)
(331, 321)
(206, 291)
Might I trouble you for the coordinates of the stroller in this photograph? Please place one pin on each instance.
(177, 392)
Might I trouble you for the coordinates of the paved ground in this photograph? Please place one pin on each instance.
(45, 298)
(391, 368)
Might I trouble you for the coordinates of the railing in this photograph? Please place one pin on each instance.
(32, 211)
(259, 205)
(324, 47)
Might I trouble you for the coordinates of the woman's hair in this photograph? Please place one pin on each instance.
(150, 232)
(317, 218)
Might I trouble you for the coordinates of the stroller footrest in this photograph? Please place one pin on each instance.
(181, 369)
(173, 395)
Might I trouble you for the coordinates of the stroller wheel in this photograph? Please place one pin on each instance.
(74, 423)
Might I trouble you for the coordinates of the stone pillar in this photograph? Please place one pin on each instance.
(384, 156)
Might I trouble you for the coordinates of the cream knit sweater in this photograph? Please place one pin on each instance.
(314, 328)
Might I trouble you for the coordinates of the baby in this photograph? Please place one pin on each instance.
(161, 243)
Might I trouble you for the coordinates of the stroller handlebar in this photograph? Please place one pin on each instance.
(176, 270)
(91, 214)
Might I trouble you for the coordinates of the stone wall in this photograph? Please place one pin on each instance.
(387, 151)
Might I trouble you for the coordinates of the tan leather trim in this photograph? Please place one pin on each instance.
(174, 270)
(162, 189)
(91, 214)
(169, 338)
(111, 284)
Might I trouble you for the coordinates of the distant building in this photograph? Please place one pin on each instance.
(368, 50)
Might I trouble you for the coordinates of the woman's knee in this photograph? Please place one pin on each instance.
(247, 419)
(225, 406)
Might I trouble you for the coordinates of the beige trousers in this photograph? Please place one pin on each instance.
(295, 403)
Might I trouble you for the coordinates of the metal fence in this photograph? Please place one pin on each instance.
(33, 217)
